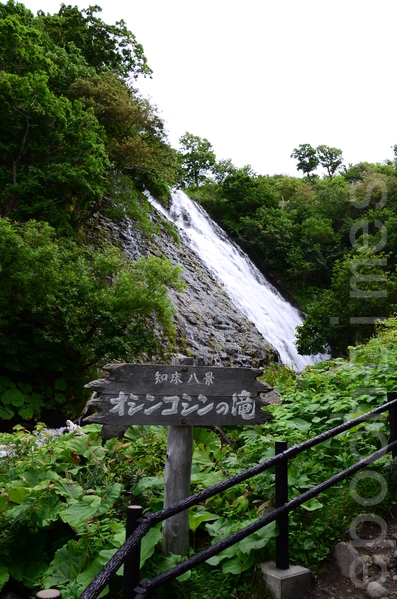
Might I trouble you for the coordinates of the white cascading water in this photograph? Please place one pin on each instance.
(248, 289)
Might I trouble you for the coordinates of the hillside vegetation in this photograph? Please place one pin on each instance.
(77, 142)
(67, 496)
(328, 241)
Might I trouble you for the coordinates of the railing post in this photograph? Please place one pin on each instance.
(49, 594)
(282, 541)
(393, 420)
(132, 562)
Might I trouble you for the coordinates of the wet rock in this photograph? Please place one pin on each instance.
(191, 319)
(208, 325)
(345, 554)
(271, 398)
(376, 591)
(382, 561)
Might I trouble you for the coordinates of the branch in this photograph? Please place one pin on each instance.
(87, 217)
(15, 162)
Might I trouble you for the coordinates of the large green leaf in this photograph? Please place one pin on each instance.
(111, 496)
(25, 387)
(48, 510)
(13, 397)
(170, 562)
(88, 574)
(258, 539)
(28, 566)
(66, 565)
(237, 564)
(312, 505)
(68, 489)
(6, 412)
(81, 510)
(227, 553)
(148, 543)
(4, 575)
(4, 499)
(18, 495)
(148, 482)
(34, 572)
(26, 412)
(299, 424)
(196, 518)
(36, 477)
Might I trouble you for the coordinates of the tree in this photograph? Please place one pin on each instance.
(330, 158)
(223, 169)
(66, 127)
(103, 46)
(53, 160)
(245, 194)
(198, 158)
(332, 322)
(65, 307)
(307, 159)
(136, 140)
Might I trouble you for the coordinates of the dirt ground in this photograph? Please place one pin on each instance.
(332, 584)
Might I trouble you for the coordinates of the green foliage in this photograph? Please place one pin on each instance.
(103, 46)
(60, 496)
(223, 169)
(67, 495)
(278, 373)
(135, 136)
(307, 159)
(362, 284)
(70, 307)
(197, 158)
(330, 158)
(53, 155)
(69, 119)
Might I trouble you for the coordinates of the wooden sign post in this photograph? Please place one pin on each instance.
(179, 396)
(177, 474)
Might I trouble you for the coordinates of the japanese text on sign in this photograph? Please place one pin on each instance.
(176, 378)
(243, 405)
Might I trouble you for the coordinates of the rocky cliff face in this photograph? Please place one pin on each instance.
(209, 327)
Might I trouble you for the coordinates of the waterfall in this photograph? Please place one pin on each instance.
(275, 318)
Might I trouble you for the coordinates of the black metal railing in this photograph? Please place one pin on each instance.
(138, 525)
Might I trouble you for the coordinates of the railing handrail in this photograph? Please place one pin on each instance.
(151, 519)
(201, 557)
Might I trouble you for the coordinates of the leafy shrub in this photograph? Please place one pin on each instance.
(65, 308)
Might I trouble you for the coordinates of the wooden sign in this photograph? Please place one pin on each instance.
(178, 395)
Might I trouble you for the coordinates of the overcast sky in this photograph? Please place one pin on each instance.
(259, 77)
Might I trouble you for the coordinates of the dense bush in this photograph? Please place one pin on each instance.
(65, 308)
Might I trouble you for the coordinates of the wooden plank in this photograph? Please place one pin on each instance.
(169, 380)
(179, 395)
